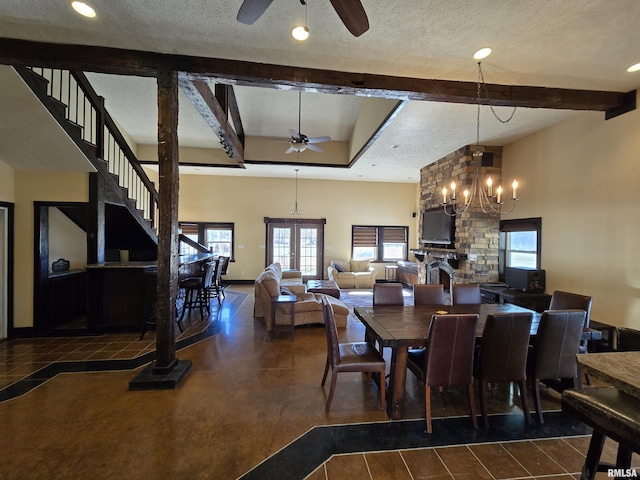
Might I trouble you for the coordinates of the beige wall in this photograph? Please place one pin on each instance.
(6, 183)
(33, 187)
(66, 240)
(245, 201)
(582, 177)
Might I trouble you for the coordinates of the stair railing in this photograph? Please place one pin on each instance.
(85, 108)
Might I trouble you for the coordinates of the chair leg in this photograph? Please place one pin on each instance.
(332, 389)
(535, 388)
(525, 403)
(383, 388)
(472, 406)
(592, 461)
(326, 370)
(483, 403)
(427, 407)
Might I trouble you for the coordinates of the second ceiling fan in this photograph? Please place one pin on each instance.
(299, 141)
(351, 12)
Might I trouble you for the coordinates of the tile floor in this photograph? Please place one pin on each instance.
(247, 400)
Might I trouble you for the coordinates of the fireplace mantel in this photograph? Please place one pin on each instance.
(437, 253)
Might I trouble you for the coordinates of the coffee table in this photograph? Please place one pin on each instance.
(328, 287)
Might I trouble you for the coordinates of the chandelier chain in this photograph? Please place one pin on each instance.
(486, 93)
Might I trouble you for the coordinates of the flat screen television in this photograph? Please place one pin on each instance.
(438, 227)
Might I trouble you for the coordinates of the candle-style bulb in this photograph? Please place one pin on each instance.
(444, 195)
(453, 190)
(499, 194)
(466, 196)
(514, 185)
(489, 187)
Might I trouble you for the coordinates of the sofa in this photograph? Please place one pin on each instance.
(273, 281)
(352, 274)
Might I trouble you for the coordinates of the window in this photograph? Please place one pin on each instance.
(216, 237)
(520, 243)
(379, 244)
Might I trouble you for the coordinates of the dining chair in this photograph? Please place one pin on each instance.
(387, 294)
(552, 356)
(224, 266)
(348, 357)
(627, 340)
(503, 356)
(573, 301)
(447, 359)
(466, 294)
(432, 294)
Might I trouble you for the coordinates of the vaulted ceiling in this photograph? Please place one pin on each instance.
(565, 44)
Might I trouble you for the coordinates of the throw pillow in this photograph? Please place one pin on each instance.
(338, 267)
(359, 265)
(346, 266)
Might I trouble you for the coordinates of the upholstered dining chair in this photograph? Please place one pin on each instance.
(466, 294)
(447, 359)
(553, 353)
(387, 294)
(503, 356)
(432, 294)
(573, 301)
(196, 291)
(348, 357)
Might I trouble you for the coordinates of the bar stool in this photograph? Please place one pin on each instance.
(195, 288)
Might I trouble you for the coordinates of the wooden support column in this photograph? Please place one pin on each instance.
(167, 371)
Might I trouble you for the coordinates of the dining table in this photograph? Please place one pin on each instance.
(404, 327)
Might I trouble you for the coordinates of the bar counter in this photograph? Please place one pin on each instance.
(121, 294)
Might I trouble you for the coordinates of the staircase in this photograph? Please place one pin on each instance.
(123, 200)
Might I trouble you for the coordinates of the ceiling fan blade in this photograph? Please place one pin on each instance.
(252, 10)
(290, 149)
(318, 139)
(352, 14)
(313, 147)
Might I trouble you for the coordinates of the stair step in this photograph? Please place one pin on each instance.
(93, 148)
(75, 127)
(42, 83)
(58, 106)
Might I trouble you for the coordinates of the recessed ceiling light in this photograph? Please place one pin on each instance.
(634, 68)
(301, 32)
(83, 9)
(482, 53)
(394, 146)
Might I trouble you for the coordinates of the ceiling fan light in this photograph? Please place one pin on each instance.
(299, 147)
(634, 68)
(300, 32)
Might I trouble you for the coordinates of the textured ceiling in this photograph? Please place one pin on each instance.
(579, 44)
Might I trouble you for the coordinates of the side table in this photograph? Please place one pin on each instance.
(283, 300)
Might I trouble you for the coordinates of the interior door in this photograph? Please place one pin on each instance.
(298, 246)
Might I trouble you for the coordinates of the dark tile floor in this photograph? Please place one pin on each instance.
(251, 408)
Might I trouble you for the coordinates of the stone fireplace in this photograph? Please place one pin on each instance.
(474, 256)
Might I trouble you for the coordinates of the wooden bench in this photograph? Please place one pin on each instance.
(611, 413)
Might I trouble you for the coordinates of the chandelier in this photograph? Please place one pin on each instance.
(490, 201)
(296, 210)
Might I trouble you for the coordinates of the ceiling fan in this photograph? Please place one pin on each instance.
(299, 141)
(351, 12)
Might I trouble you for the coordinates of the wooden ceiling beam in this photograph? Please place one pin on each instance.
(132, 62)
(203, 98)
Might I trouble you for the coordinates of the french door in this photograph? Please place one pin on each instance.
(296, 244)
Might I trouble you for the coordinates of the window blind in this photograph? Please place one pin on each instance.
(365, 237)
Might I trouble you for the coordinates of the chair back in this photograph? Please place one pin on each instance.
(387, 294)
(504, 348)
(450, 349)
(571, 301)
(331, 331)
(628, 340)
(209, 273)
(218, 270)
(224, 264)
(466, 294)
(428, 294)
(557, 343)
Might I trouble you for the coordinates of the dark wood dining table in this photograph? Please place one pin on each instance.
(403, 327)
